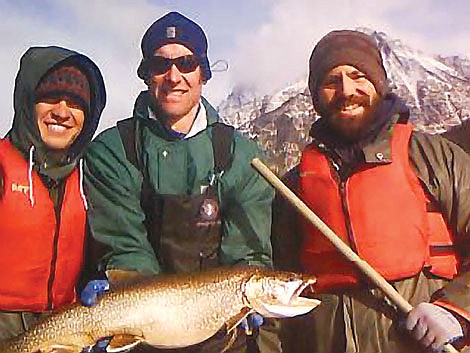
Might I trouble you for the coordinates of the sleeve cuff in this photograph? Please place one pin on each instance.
(465, 315)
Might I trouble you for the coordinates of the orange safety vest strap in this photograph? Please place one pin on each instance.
(443, 260)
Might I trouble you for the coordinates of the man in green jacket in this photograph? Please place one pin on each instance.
(171, 189)
(397, 197)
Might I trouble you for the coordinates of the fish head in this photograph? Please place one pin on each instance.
(277, 294)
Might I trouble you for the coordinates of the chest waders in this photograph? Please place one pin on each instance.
(185, 230)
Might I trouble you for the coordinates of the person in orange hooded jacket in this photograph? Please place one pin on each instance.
(58, 98)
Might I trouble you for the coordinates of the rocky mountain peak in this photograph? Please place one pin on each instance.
(435, 88)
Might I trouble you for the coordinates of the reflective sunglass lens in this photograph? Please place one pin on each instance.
(158, 65)
(186, 63)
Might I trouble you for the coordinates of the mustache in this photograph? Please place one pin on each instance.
(61, 118)
(341, 101)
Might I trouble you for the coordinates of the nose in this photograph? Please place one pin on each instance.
(173, 74)
(348, 85)
(61, 110)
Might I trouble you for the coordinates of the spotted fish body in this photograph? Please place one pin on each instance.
(170, 311)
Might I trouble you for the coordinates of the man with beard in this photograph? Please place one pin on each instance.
(58, 99)
(172, 189)
(398, 198)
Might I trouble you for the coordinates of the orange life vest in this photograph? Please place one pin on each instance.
(384, 207)
(39, 261)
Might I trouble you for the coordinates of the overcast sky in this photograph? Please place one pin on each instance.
(266, 42)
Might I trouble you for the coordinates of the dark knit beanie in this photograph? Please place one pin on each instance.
(346, 47)
(66, 81)
(175, 28)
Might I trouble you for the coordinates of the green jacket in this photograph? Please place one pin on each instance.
(177, 167)
(362, 320)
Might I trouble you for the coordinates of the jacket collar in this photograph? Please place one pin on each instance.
(144, 110)
(375, 148)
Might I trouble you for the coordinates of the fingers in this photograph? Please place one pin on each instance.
(257, 320)
(420, 331)
(89, 294)
(412, 320)
(432, 326)
(251, 322)
(427, 337)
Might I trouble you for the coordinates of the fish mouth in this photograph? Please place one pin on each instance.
(299, 305)
(291, 303)
(297, 294)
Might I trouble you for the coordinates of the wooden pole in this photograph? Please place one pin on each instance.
(342, 247)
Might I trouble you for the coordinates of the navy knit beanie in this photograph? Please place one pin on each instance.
(175, 28)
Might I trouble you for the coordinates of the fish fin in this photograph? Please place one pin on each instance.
(123, 342)
(231, 341)
(233, 322)
(61, 349)
(74, 344)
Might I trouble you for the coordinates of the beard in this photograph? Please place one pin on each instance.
(352, 127)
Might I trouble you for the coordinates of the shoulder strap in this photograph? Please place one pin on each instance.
(222, 138)
(126, 129)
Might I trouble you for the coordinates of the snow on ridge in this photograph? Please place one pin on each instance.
(435, 88)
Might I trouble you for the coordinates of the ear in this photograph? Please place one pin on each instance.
(202, 79)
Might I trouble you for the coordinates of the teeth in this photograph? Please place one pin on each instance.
(56, 128)
(175, 93)
(351, 107)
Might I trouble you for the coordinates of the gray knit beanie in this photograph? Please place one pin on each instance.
(346, 47)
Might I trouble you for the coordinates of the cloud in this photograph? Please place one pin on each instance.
(108, 31)
(266, 42)
(276, 52)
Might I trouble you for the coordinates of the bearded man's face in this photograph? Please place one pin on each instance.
(350, 99)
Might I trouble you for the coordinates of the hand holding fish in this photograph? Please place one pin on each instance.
(89, 294)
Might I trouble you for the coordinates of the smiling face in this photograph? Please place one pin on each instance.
(177, 94)
(60, 121)
(350, 99)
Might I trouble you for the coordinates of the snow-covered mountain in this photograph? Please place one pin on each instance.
(436, 88)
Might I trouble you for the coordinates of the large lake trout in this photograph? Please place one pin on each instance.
(170, 311)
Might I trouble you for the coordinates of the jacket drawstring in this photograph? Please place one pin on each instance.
(82, 193)
(30, 175)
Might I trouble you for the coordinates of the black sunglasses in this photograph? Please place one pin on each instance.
(157, 65)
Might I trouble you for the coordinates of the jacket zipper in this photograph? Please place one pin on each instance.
(344, 204)
(55, 245)
(50, 282)
(347, 216)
